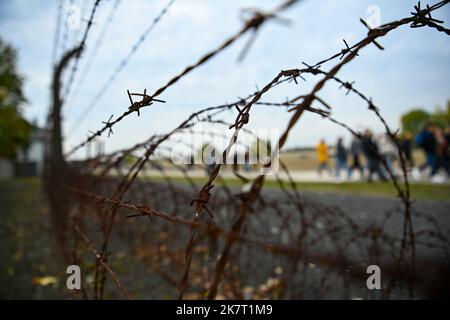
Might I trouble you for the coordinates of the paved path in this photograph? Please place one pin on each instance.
(299, 176)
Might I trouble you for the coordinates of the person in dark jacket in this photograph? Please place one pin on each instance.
(355, 152)
(427, 141)
(406, 146)
(341, 157)
(373, 157)
(447, 135)
(442, 151)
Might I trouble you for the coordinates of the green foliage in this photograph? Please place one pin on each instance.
(442, 116)
(413, 121)
(14, 132)
(131, 160)
(14, 129)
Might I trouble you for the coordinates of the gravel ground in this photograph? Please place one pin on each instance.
(29, 270)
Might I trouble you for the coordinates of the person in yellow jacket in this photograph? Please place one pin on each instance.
(323, 156)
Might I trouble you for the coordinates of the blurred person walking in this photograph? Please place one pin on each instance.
(341, 157)
(447, 135)
(427, 141)
(372, 156)
(355, 152)
(388, 151)
(442, 151)
(323, 157)
(406, 146)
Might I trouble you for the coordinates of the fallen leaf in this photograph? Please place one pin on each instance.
(18, 255)
(45, 281)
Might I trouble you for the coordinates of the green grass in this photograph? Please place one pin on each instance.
(418, 190)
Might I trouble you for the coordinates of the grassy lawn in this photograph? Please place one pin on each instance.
(418, 190)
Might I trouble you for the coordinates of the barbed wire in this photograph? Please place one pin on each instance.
(65, 33)
(83, 12)
(57, 32)
(242, 119)
(218, 253)
(123, 63)
(94, 52)
(255, 22)
(82, 45)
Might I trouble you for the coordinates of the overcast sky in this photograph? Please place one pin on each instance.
(413, 71)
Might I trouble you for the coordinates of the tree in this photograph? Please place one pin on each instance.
(414, 120)
(14, 129)
(442, 116)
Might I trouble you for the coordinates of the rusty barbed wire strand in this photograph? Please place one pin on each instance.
(239, 230)
(274, 248)
(423, 18)
(203, 197)
(404, 194)
(372, 36)
(82, 45)
(131, 176)
(57, 32)
(65, 33)
(255, 22)
(141, 163)
(84, 6)
(94, 53)
(103, 263)
(123, 63)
